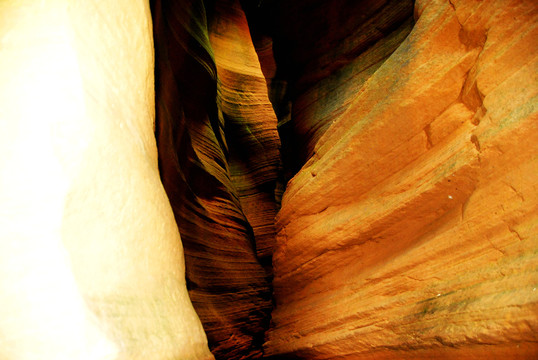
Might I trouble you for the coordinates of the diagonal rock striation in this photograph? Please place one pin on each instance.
(219, 156)
(410, 232)
(407, 227)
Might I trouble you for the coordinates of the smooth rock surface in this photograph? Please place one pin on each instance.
(250, 123)
(91, 263)
(411, 231)
(218, 152)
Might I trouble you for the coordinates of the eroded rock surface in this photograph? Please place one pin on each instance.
(218, 149)
(250, 123)
(411, 231)
(409, 227)
(409, 134)
(91, 263)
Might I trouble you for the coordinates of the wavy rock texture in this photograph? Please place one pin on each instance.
(324, 51)
(218, 149)
(250, 123)
(411, 231)
(408, 228)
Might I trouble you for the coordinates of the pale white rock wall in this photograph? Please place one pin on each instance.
(91, 263)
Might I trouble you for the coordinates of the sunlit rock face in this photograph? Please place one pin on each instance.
(91, 263)
(410, 230)
(219, 155)
(361, 173)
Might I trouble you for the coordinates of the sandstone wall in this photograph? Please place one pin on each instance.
(91, 263)
(407, 229)
(412, 229)
(218, 151)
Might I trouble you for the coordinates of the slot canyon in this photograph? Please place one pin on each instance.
(248, 179)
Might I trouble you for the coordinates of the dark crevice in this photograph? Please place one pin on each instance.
(206, 150)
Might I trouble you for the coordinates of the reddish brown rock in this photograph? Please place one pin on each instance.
(409, 228)
(411, 232)
(250, 123)
(324, 52)
(218, 151)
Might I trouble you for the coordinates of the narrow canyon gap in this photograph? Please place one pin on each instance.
(407, 227)
(309, 179)
(219, 155)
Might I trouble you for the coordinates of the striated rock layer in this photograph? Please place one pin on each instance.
(218, 151)
(411, 231)
(323, 52)
(250, 123)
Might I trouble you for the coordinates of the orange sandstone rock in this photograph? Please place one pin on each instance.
(250, 123)
(411, 232)
(218, 152)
